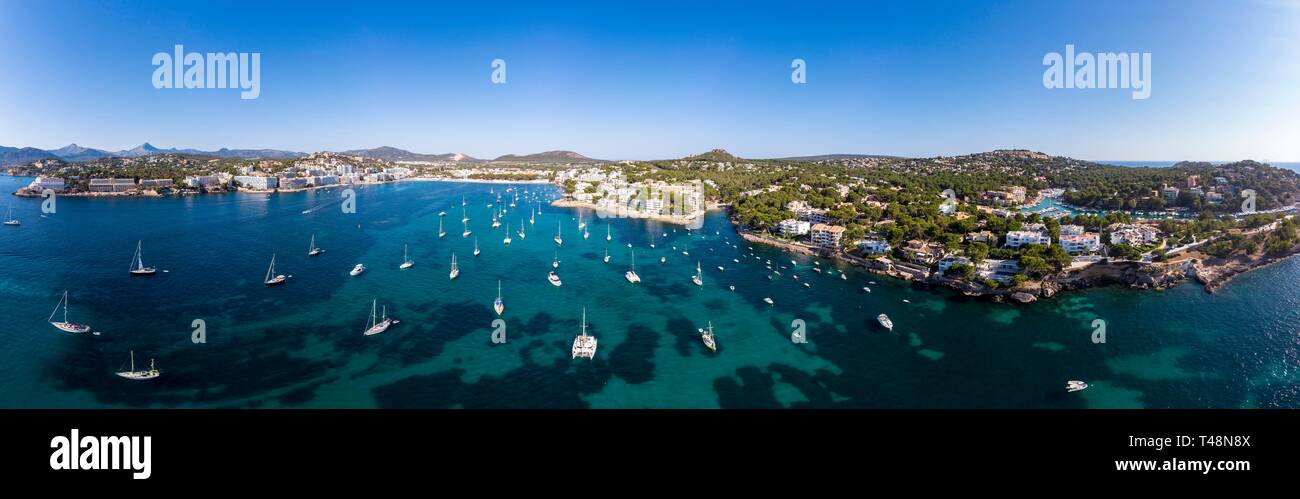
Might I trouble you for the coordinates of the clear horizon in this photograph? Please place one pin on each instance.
(662, 81)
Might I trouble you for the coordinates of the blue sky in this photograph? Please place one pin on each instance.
(660, 79)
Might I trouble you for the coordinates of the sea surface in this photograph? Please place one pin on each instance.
(300, 345)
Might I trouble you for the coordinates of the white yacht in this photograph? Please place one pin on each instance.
(498, 305)
(137, 263)
(9, 217)
(312, 250)
(65, 326)
(584, 345)
(455, 271)
(885, 322)
(631, 274)
(698, 278)
(554, 279)
(1075, 385)
(406, 260)
(357, 270)
(558, 240)
(768, 301)
(707, 336)
(377, 324)
(270, 271)
(150, 373)
(663, 259)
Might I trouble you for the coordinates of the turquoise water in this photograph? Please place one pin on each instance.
(300, 345)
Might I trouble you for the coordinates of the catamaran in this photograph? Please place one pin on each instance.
(885, 322)
(554, 279)
(499, 305)
(559, 241)
(150, 373)
(377, 324)
(507, 239)
(406, 260)
(65, 326)
(270, 271)
(476, 250)
(312, 250)
(707, 336)
(455, 271)
(9, 217)
(698, 278)
(357, 270)
(631, 274)
(137, 263)
(584, 345)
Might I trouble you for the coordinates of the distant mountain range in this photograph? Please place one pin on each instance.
(549, 157)
(74, 152)
(395, 154)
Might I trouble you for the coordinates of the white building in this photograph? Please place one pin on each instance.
(791, 227)
(1133, 234)
(948, 263)
(1018, 238)
(1088, 242)
(873, 246)
(42, 183)
(256, 182)
(1071, 230)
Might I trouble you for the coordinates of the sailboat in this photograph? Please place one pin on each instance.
(150, 373)
(270, 271)
(312, 250)
(606, 255)
(581, 224)
(476, 250)
(495, 222)
(65, 326)
(558, 240)
(698, 275)
(532, 216)
(455, 271)
(555, 264)
(137, 263)
(406, 260)
(377, 323)
(707, 336)
(631, 274)
(463, 217)
(585, 234)
(499, 305)
(652, 240)
(462, 200)
(9, 217)
(584, 345)
(521, 229)
(507, 239)
(608, 237)
(467, 231)
(440, 231)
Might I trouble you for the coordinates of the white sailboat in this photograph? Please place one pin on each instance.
(455, 271)
(9, 217)
(476, 250)
(65, 326)
(376, 324)
(532, 216)
(406, 260)
(467, 231)
(464, 218)
(559, 241)
(521, 229)
(699, 274)
(507, 239)
(707, 336)
(585, 234)
(631, 274)
(150, 373)
(312, 250)
(440, 231)
(270, 271)
(555, 264)
(584, 345)
(608, 237)
(606, 255)
(499, 305)
(137, 263)
(496, 224)
(581, 224)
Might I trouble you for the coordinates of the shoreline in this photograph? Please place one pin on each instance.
(473, 180)
(694, 220)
